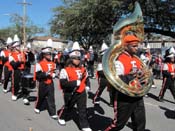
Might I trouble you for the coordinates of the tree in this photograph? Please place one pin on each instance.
(17, 28)
(82, 21)
(91, 21)
(159, 15)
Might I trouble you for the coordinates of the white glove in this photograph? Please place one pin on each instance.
(47, 73)
(53, 75)
(78, 82)
(87, 88)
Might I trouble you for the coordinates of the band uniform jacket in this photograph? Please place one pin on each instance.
(5, 59)
(69, 77)
(45, 71)
(17, 60)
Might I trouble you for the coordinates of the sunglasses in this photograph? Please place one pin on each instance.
(47, 53)
(76, 57)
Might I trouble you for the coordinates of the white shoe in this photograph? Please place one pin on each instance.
(26, 101)
(87, 88)
(96, 102)
(14, 98)
(5, 90)
(146, 96)
(153, 86)
(86, 129)
(62, 122)
(37, 111)
(54, 117)
(93, 77)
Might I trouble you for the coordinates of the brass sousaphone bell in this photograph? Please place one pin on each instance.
(131, 24)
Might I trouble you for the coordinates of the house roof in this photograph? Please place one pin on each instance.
(45, 38)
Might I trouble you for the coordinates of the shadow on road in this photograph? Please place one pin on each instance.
(91, 96)
(153, 96)
(129, 124)
(170, 114)
(169, 101)
(157, 99)
(32, 98)
(96, 121)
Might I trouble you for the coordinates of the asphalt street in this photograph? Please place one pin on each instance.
(15, 116)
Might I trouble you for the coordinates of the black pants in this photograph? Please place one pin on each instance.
(167, 83)
(1, 70)
(7, 75)
(70, 100)
(126, 107)
(90, 69)
(47, 92)
(16, 78)
(103, 83)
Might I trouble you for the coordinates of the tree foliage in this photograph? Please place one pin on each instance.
(91, 21)
(17, 28)
(159, 16)
(85, 21)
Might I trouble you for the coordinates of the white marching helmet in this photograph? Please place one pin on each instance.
(148, 46)
(104, 47)
(91, 49)
(28, 45)
(172, 50)
(46, 50)
(171, 56)
(48, 47)
(75, 51)
(49, 43)
(9, 41)
(16, 41)
(16, 38)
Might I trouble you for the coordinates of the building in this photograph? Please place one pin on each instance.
(41, 41)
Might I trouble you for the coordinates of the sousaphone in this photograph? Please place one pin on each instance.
(131, 24)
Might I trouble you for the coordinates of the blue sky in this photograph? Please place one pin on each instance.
(40, 12)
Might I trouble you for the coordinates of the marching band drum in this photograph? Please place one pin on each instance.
(28, 82)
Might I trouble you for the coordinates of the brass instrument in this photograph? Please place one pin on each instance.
(131, 24)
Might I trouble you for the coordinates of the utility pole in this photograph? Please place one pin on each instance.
(24, 4)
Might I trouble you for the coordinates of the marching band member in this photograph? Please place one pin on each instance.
(7, 67)
(102, 81)
(1, 66)
(17, 60)
(168, 74)
(59, 59)
(73, 82)
(127, 67)
(29, 58)
(89, 59)
(45, 73)
(146, 57)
